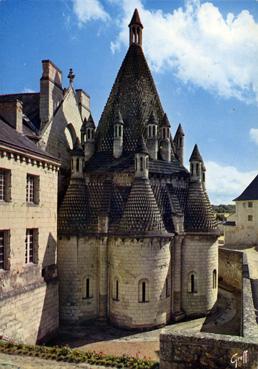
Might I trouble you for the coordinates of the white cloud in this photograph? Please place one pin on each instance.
(200, 45)
(224, 183)
(254, 133)
(87, 10)
(27, 90)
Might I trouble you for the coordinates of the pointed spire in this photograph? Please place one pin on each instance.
(136, 27)
(196, 156)
(141, 146)
(165, 121)
(90, 122)
(179, 131)
(118, 117)
(135, 19)
(153, 119)
(77, 148)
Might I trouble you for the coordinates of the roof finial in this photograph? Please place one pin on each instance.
(71, 76)
(136, 28)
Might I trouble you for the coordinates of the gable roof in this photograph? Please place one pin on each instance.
(14, 140)
(251, 191)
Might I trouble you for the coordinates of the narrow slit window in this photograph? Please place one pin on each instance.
(143, 291)
(141, 163)
(87, 288)
(214, 279)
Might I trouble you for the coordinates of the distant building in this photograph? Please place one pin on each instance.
(241, 228)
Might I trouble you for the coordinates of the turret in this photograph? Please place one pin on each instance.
(77, 160)
(152, 136)
(197, 168)
(136, 27)
(118, 135)
(88, 137)
(179, 144)
(165, 144)
(141, 160)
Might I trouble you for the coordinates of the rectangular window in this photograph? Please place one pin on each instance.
(250, 204)
(250, 218)
(31, 246)
(32, 189)
(4, 250)
(5, 185)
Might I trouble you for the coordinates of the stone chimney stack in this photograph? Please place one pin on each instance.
(51, 91)
(12, 113)
(83, 101)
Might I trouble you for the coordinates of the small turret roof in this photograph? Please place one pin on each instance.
(77, 148)
(90, 122)
(250, 193)
(196, 156)
(118, 117)
(136, 19)
(141, 215)
(165, 121)
(179, 131)
(199, 215)
(153, 119)
(141, 146)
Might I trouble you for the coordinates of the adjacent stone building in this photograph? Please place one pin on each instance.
(29, 306)
(137, 234)
(241, 228)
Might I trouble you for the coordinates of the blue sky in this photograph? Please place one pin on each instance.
(203, 57)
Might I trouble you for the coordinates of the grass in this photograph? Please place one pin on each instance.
(66, 354)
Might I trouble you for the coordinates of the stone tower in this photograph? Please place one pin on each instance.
(129, 229)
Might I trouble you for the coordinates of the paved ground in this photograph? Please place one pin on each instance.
(24, 362)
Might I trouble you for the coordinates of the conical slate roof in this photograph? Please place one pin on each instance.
(141, 214)
(77, 149)
(165, 121)
(136, 19)
(141, 146)
(135, 94)
(250, 193)
(73, 214)
(199, 215)
(179, 131)
(196, 156)
(90, 122)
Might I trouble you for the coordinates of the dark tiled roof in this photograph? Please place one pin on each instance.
(141, 146)
(15, 140)
(179, 131)
(136, 19)
(251, 191)
(199, 215)
(196, 156)
(141, 214)
(135, 94)
(74, 214)
(30, 106)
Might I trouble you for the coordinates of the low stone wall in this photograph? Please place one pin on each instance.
(203, 351)
(230, 268)
(31, 315)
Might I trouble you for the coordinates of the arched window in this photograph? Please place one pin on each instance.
(153, 131)
(214, 278)
(203, 176)
(197, 169)
(192, 283)
(77, 165)
(147, 161)
(141, 163)
(88, 133)
(87, 288)
(143, 290)
(116, 290)
(120, 131)
(191, 166)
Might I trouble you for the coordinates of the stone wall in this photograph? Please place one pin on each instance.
(77, 261)
(200, 257)
(130, 262)
(206, 351)
(30, 314)
(230, 268)
(28, 291)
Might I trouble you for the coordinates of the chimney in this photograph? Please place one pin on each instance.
(83, 101)
(12, 113)
(51, 91)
